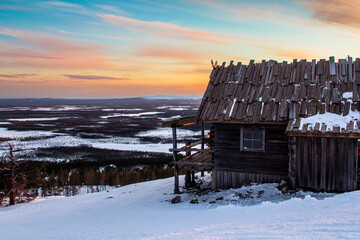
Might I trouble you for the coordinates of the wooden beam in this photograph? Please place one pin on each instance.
(187, 149)
(184, 121)
(194, 163)
(245, 122)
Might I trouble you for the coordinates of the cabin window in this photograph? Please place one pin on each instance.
(252, 140)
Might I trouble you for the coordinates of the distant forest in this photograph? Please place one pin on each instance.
(36, 178)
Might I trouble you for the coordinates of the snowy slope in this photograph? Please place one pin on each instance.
(143, 211)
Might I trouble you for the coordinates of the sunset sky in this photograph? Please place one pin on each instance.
(114, 49)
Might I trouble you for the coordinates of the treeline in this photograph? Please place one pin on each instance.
(100, 156)
(67, 183)
(66, 178)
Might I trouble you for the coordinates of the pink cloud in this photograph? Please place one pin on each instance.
(167, 30)
(111, 9)
(51, 51)
(66, 7)
(49, 42)
(62, 4)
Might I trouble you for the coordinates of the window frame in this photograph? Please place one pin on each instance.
(252, 149)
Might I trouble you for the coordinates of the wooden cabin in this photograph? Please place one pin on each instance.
(274, 121)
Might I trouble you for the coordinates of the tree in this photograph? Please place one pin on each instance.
(13, 180)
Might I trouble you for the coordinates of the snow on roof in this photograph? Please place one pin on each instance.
(331, 120)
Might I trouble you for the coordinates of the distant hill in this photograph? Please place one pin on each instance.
(172, 97)
(8, 102)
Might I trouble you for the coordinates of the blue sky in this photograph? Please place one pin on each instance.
(102, 49)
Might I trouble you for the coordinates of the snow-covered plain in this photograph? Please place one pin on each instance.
(48, 139)
(143, 211)
(44, 139)
(130, 114)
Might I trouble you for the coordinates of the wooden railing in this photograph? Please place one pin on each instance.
(189, 148)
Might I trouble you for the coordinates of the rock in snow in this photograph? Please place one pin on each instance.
(176, 199)
(144, 211)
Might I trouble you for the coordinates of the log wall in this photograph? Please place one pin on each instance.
(232, 179)
(233, 166)
(323, 164)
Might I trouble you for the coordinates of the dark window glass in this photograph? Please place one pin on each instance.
(253, 140)
(247, 134)
(247, 144)
(257, 135)
(257, 144)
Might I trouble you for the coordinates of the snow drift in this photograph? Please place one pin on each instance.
(144, 211)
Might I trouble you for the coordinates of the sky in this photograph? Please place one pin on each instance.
(116, 49)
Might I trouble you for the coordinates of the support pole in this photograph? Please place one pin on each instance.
(193, 178)
(202, 141)
(176, 169)
(202, 135)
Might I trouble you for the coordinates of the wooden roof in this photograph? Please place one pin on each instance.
(274, 92)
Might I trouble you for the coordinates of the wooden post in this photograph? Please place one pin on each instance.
(202, 135)
(202, 141)
(193, 178)
(292, 162)
(12, 177)
(213, 180)
(188, 173)
(176, 170)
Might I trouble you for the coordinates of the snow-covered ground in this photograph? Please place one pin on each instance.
(143, 211)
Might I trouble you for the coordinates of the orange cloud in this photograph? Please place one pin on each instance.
(167, 30)
(21, 75)
(295, 53)
(94, 77)
(187, 54)
(23, 57)
(21, 82)
(343, 12)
